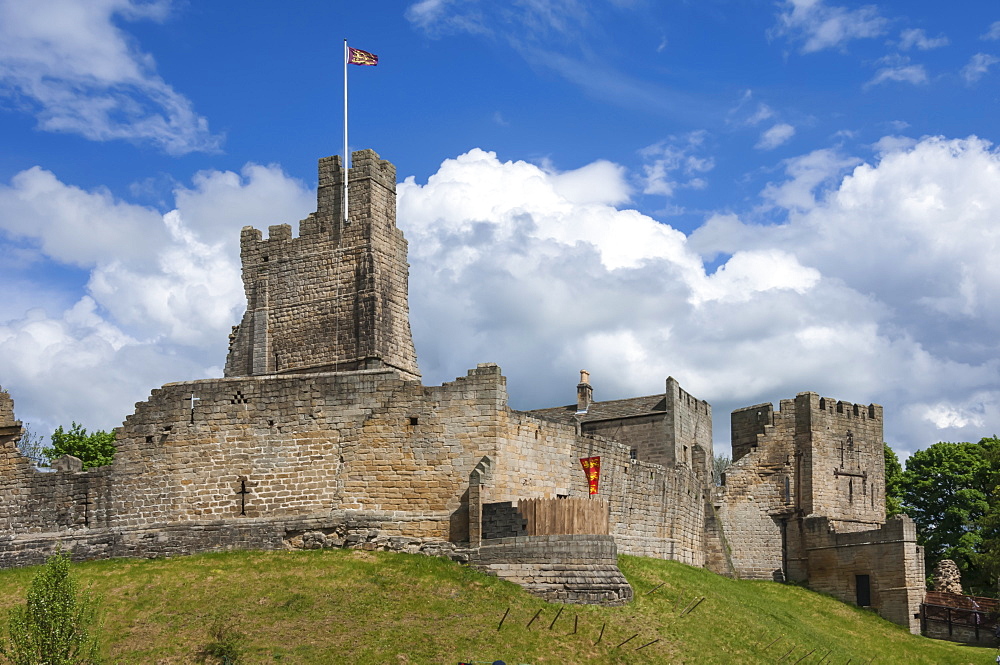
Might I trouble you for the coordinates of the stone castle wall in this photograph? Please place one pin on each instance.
(334, 298)
(691, 428)
(888, 557)
(320, 449)
(321, 435)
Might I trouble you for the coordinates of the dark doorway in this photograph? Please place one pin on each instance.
(863, 586)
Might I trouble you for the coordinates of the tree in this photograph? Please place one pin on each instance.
(893, 482)
(53, 628)
(32, 445)
(989, 558)
(95, 449)
(945, 491)
(719, 465)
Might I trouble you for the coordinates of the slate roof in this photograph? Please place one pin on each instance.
(610, 410)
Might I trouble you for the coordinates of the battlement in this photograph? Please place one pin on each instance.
(832, 408)
(335, 297)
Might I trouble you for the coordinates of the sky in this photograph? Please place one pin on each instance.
(756, 197)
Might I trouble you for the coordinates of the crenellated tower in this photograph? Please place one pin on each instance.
(335, 297)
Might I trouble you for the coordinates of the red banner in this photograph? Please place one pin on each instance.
(592, 467)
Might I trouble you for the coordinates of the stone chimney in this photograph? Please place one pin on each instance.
(584, 392)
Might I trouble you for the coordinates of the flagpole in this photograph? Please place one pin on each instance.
(345, 160)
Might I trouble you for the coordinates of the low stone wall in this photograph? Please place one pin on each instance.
(369, 530)
(563, 568)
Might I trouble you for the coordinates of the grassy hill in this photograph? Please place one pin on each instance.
(348, 606)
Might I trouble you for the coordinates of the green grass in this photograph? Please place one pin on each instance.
(342, 606)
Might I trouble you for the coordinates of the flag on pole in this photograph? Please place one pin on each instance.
(358, 57)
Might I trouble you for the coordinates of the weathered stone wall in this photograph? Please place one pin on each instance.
(241, 461)
(759, 492)
(690, 428)
(646, 435)
(276, 449)
(844, 459)
(653, 511)
(889, 556)
(334, 298)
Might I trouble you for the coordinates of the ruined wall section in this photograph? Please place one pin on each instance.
(760, 491)
(334, 298)
(843, 461)
(258, 460)
(304, 446)
(33, 501)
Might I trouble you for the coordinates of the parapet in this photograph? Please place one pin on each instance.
(833, 408)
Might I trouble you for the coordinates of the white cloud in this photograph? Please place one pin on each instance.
(806, 174)
(915, 37)
(915, 74)
(675, 163)
(161, 294)
(916, 233)
(597, 182)
(820, 26)
(978, 66)
(81, 74)
(993, 33)
(878, 284)
(775, 136)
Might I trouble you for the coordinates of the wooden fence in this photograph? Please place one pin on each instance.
(550, 517)
(951, 616)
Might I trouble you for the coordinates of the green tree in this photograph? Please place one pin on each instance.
(989, 558)
(54, 627)
(893, 482)
(945, 492)
(95, 449)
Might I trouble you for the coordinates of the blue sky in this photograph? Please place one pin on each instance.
(756, 197)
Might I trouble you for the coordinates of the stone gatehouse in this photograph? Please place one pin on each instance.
(321, 434)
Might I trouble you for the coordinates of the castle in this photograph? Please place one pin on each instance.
(322, 435)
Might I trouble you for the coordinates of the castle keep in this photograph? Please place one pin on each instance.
(322, 435)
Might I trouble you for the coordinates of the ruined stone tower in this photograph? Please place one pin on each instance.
(334, 298)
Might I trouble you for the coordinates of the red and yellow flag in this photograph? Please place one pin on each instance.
(356, 56)
(592, 467)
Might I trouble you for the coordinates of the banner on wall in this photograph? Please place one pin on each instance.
(592, 467)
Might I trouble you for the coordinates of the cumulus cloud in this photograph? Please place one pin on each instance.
(161, 292)
(978, 66)
(915, 233)
(820, 26)
(917, 38)
(775, 136)
(878, 283)
(79, 73)
(843, 291)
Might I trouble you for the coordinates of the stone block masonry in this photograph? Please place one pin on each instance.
(334, 298)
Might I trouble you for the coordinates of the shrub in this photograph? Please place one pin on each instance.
(54, 626)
